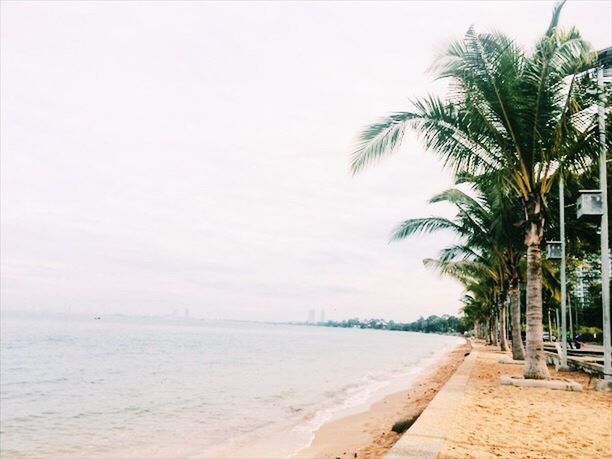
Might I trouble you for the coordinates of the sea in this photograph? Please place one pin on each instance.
(120, 387)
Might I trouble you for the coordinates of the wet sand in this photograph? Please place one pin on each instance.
(368, 434)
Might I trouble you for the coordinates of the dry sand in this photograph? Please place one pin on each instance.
(512, 422)
(368, 434)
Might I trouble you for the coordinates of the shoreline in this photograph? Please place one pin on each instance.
(332, 428)
(368, 433)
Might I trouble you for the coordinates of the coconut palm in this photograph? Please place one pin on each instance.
(514, 116)
(482, 284)
(485, 225)
(476, 313)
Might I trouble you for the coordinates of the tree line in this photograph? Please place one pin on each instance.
(431, 324)
(513, 124)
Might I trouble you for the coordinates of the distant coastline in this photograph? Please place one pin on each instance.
(443, 325)
(446, 324)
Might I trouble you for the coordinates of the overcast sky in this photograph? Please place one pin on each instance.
(160, 156)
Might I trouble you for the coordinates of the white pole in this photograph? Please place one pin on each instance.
(605, 251)
(557, 320)
(571, 320)
(563, 281)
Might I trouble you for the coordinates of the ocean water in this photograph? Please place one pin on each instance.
(141, 387)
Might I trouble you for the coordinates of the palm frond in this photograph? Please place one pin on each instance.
(554, 21)
(380, 138)
(422, 225)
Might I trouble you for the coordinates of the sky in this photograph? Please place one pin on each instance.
(157, 156)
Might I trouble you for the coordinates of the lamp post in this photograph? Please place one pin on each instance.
(605, 250)
(562, 268)
(595, 202)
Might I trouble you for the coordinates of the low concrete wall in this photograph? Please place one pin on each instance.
(426, 437)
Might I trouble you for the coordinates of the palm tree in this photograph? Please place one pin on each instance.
(485, 224)
(476, 313)
(482, 285)
(514, 116)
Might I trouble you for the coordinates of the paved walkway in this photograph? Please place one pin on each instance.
(427, 436)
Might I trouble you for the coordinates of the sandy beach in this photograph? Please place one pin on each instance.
(492, 421)
(507, 421)
(369, 434)
(286, 229)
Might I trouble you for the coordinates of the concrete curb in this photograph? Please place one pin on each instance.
(427, 436)
(566, 384)
(510, 361)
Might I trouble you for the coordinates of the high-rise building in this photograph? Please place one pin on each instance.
(322, 315)
(311, 316)
(586, 274)
(581, 286)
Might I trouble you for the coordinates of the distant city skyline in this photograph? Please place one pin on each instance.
(194, 155)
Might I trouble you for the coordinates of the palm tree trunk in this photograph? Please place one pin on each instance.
(518, 351)
(550, 329)
(494, 330)
(503, 342)
(535, 361)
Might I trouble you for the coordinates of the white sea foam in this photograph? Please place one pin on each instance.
(373, 387)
